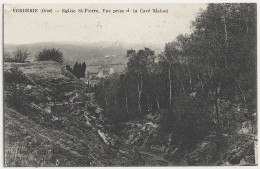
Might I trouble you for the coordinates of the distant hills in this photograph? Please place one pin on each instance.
(91, 53)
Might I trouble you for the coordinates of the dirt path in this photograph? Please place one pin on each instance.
(158, 159)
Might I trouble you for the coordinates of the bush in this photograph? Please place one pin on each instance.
(20, 55)
(50, 54)
(7, 57)
(14, 76)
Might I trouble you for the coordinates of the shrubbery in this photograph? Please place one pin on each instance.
(50, 54)
(20, 56)
(78, 69)
(13, 81)
(14, 76)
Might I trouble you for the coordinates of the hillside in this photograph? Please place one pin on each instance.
(51, 121)
(88, 52)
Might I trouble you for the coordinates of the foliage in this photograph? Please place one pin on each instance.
(20, 55)
(7, 57)
(50, 54)
(78, 69)
(14, 76)
(13, 79)
(206, 80)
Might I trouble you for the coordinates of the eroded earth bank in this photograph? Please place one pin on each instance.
(51, 120)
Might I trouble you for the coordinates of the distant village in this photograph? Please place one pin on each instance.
(101, 69)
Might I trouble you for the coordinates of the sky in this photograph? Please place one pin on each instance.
(24, 28)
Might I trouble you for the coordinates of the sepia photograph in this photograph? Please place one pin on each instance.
(129, 84)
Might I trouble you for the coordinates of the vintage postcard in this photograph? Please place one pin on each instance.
(130, 84)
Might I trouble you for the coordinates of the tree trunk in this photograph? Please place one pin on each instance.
(202, 86)
(170, 87)
(157, 101)
(106, 102)
(189, 76)
(140, 90)
(226, 44)
(148, 103)
(219, 132)
(126, 103)
(183, 88)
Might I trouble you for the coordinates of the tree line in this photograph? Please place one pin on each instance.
(203, 82)
(78, 69)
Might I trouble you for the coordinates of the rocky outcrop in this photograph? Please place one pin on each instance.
(49, 117)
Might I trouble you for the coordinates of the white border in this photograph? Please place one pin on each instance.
(123, 1)
(114, 1)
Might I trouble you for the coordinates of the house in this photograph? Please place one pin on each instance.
(105, 71)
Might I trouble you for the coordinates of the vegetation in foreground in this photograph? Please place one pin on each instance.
(51, 121)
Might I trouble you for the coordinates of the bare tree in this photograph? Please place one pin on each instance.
(20, 55)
